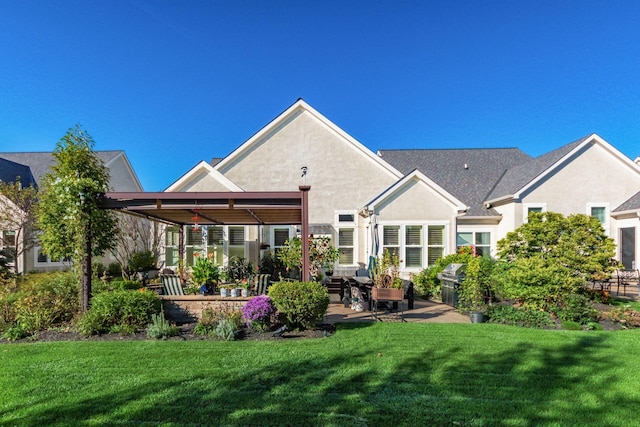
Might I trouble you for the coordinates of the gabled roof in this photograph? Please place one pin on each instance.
(517, 177)
(521, 178)
(631, 205)
(297, 108)
(209, 170)
(41, 162)
(420, 177)
(467, 174)
(11, 171)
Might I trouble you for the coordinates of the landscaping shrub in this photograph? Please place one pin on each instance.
(538, 283)
(226, 329)
(15, 332)
(571, 325)
(626, 316)
(476, 288)
(119, 311)
(577, 308)
(518, 316)
(426, 283)
(46, 299)
(302, 304)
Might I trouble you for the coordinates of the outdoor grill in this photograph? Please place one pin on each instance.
(450, 278)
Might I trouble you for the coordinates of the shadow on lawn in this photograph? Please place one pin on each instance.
(528, 385)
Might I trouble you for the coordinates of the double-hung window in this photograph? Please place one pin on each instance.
(413, 246)
(532, 207)
(347, 237)
(236, 241)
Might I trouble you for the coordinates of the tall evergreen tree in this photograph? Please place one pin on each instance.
(72, 223)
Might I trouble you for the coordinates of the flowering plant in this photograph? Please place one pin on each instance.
(257, 312)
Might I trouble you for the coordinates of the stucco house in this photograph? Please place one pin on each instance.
(31, 168)
(423, 204)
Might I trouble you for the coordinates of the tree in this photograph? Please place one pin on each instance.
(18, 217)
(72, 223)
(549, 258)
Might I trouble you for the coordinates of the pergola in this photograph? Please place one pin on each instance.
(219, 208)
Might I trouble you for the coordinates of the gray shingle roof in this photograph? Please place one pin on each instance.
(631, 204)
(520, 175)
(446, 167)
(11, 171)
(40, 162)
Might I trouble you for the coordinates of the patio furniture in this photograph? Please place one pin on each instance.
(171, 285)
(627, 277)
(262, 284)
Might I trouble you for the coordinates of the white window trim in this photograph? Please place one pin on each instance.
(272, 234)
(347, 224)
(527, 206)
(607, 211)
(403, 246)
(49, 263)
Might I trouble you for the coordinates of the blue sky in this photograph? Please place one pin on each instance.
(176, 82)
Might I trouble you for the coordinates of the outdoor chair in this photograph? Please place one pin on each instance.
(627, 277)
(262, 284)
(171, 284)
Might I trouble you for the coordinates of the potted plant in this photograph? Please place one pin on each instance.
(205, 273)
(225, 291)
(475, 289)
(387, 284)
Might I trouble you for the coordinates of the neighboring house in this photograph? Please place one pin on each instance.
(422, 204)
(31, 168)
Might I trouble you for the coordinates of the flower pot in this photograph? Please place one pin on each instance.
(476, 317)
(224, 292)
(245, 292)
(235, 293)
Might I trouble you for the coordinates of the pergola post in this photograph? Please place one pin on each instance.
(306, 271)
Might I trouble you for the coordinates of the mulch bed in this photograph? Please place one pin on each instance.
(186, 334)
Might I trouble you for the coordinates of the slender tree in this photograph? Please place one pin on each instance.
(72, 223)
(17, 216)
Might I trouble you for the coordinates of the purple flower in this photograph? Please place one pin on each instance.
(258, 309)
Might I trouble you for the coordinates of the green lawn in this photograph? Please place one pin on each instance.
(380, 374)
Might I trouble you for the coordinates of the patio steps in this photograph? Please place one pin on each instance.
(334, 286)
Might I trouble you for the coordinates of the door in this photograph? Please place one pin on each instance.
(628, 247)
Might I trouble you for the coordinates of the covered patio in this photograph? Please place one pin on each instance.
(218, 208)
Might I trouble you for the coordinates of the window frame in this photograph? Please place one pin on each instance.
(527, 206)
(341, 224)
(474, 233)
(607, 214)
(425, 244)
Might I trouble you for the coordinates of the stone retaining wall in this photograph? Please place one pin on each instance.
(188, 308)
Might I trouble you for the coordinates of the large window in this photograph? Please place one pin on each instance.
(211, 237)
(417, 245)
(480, 240)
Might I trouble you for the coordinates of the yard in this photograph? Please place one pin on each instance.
(375, 374)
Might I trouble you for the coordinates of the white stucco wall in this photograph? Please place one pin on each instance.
(341, 177)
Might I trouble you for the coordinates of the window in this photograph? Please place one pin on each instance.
(236, 242)
(345, 246)
(172, 242)
(215, 243)
(413, 246)
(417, 245)
(280, 236)
(532, 207)
(435, 243)
(480, 240)
(347, 236)
(600, 211)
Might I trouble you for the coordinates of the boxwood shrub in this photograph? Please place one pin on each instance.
(302, 304)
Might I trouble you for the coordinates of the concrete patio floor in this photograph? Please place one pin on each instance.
(423, 311)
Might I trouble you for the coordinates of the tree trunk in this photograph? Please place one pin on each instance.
(86, 271)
